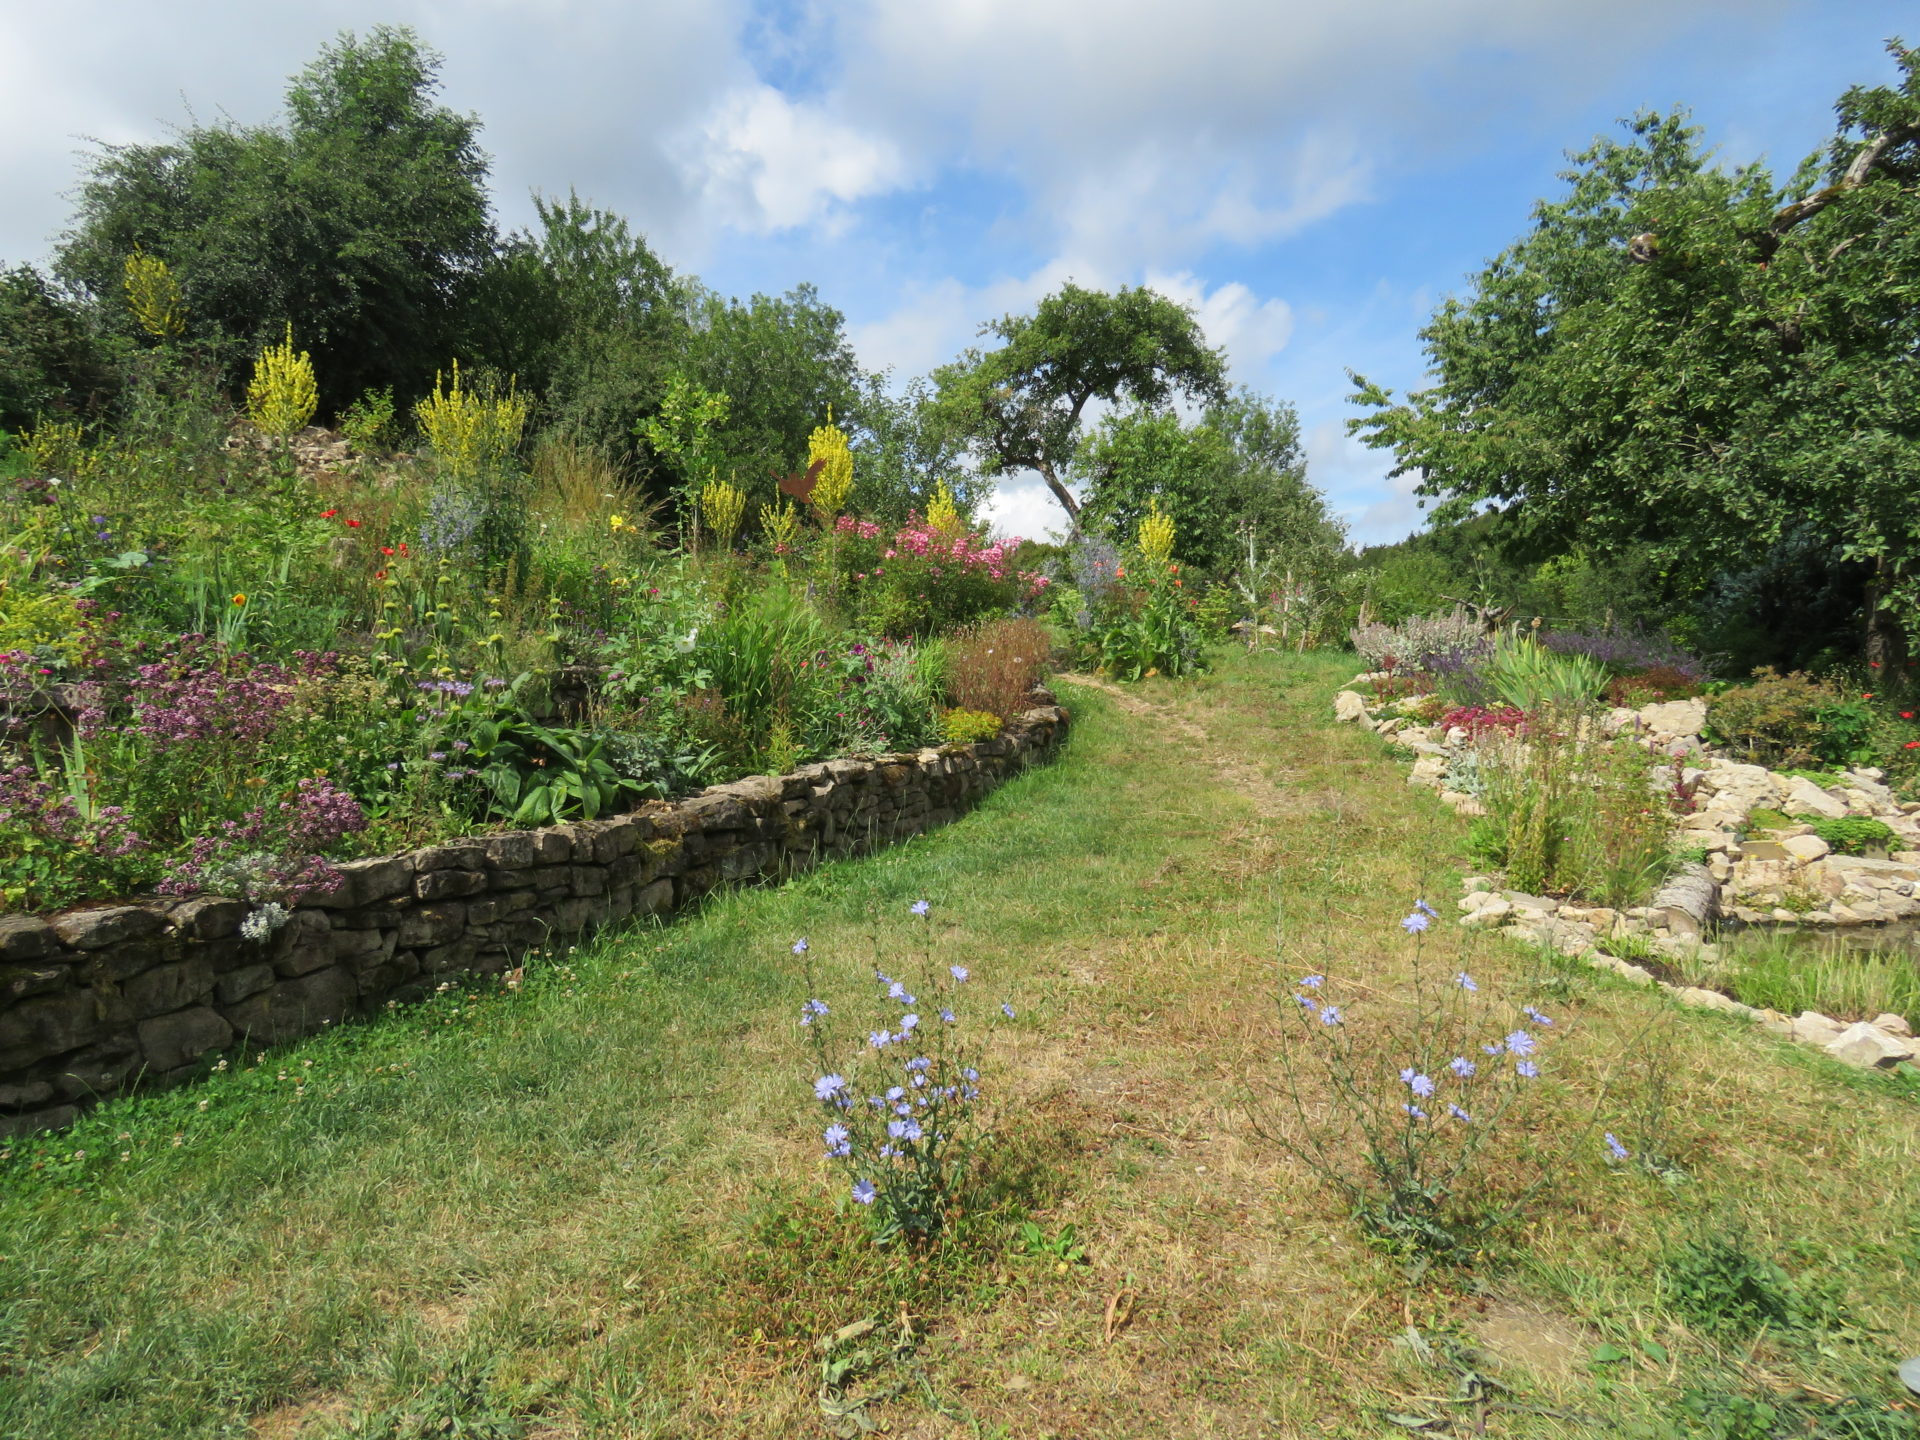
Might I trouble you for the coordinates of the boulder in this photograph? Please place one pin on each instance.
(1868, 1047)
(1813, 1028)
(1428, 770)
(1349, 706)
(1805, 848)
(1675, 718)
(1806, 798)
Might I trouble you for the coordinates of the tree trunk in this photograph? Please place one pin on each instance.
(1688, 900)
(1885, 642)
(1062, 494)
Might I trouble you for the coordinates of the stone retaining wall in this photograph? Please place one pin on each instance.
(96, 1000)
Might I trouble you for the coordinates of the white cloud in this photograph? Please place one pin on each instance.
(1251, 330)
(1022, 505)
(769, 163)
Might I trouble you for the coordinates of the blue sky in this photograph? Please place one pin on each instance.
(1313, 177)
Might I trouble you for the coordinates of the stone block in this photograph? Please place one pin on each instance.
(58, 1117)
(209, 917)
(183, 1037)
(513, 851)
(302, 945)
(362, 882)
(97, 1070)
(49, 1025)
(110, 925)
(238, 984)
(1892, 1024)
(1870, 1048)
(26, 937)
(425, 926)
(495, 908)
(574, 915)
(351, 945)
(1806, 798)
(448, 884)
(295, 1007)
(17, 982)
(1805, 848)
(459, 855)
(588, 880)
(551, 847)
(169, 987)
(23, 1094)
(447, 959)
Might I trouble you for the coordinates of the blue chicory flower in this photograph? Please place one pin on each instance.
(907, 1022)
(864, 1192)
(1313, 982)
(919, 907)
(1462, 1066)
(828, 1086)
(959, 973)
(1496, 1048)
(1330, 1015)
(879, 1039)
(1615, 1150)
(838, 1139)
(1430, 911)
(800, 946)
(1465, 982)
(1526, 1069)
(1415, 923)
(1535, 1016)
(1006, 1009)
(1421, 1085)
(946, 1015)
(1521, 1043)
(1415, 1111)
(1457, 1113)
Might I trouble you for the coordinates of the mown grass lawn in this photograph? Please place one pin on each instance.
(595, 1205)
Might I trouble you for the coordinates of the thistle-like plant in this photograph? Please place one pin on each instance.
(282, 395)
(153, 295)
(828, 447)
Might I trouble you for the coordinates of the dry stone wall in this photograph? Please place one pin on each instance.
(94, 1001)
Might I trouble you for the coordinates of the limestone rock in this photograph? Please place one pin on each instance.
(1349, 706)
(1892, 1024)
(1429, 771)
(1805, 848)
(1863, 1045)
(1675, 718)
(1814, 1028)
(1805, 797)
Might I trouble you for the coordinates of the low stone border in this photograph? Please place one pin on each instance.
(1748, 882)
(96, 1000)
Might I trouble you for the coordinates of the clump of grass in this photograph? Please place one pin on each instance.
(1780, 972)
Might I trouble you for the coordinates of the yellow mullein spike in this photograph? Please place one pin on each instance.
(834, 484)
(942, 514)
(282, 395)
(153, 295)
(1156, 534)
(469, 427)
(781, 524)
(723, 505)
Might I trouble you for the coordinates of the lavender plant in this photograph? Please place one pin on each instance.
(901, 1109)
(1403, 1115)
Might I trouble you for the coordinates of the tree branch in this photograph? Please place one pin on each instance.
(1872, 156)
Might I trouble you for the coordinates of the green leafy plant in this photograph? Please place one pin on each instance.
(1063, 1248)
(1722, 1285)
(1852, 834)
(1534, 679)
(1776, 719)
(542, 775)
(963, 727)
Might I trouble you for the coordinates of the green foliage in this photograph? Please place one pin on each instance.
(1694, 357)
(1146, 629)
(1792, 974)
(1853, 834)
(53, 359)
(1062, 1248)
(1536, 680)
(1721, 1285)
(541, 774)
(360, 220)
(370, 423)
(1778, 719)
(1239, 472)
(1019, 406)
(963, 727)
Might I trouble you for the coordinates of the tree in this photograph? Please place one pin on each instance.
(587, 316)
(53, 360)
(1238, 471)
(1019, 406)
(1697, 360)
(361, 221)
(780, 362)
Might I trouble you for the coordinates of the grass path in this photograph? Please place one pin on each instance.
(593, 1207)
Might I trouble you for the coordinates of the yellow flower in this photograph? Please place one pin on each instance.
(153, 295)
(943, 515)
(1156, 534)
(239, 599)
(835, 481)
(282, 395)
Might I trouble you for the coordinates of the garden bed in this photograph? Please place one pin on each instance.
(108, 996)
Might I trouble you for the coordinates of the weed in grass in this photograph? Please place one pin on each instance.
(1407, 1153)
(1721, 1285)
(1792, 974)
(909, 1141)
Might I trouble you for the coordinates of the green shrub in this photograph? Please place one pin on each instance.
(1853, 835)
(1789, 720)
(963, 727)
(1532, 678)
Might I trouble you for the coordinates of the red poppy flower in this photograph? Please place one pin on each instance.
(354, 524)
(1911, 745)
(379, 574)
(1906, 714)
(1867, 696)
(403, 547)
(1873, 664)
(386, 549)
(328, 514)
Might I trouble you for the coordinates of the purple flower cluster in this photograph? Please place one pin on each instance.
(43, 810)
(272, 852)
(1625, 651)
(195, 692)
